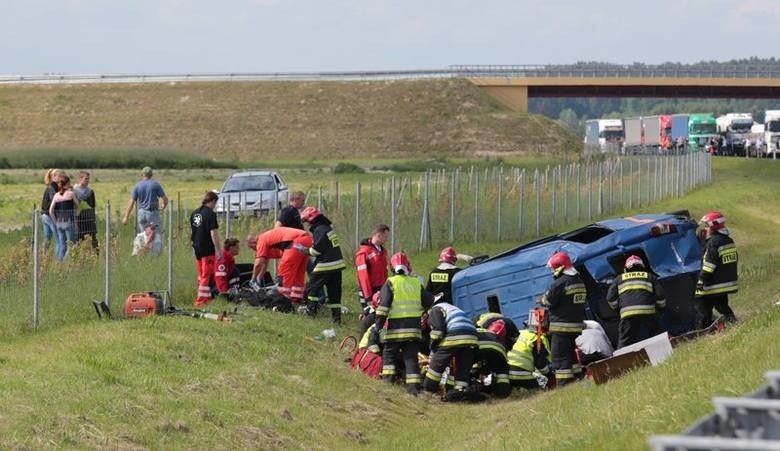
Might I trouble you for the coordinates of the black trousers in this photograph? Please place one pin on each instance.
(407, 350)
(331, 280)
(563, 358)
(492, 362)
(704, 307)
(87, 226)
(630, 328)
(442, 358)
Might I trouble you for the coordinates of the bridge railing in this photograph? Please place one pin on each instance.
(455, 71)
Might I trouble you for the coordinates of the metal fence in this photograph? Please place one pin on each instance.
(433, 209)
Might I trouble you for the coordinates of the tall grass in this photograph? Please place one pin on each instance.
(106, 159)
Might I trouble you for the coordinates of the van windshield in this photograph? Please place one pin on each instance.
(249, 183)
(587, 234)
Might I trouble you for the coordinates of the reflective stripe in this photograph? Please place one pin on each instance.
(413, 379)
(520, 375)
(661, 303)
(502, 378)
(485, 345)
(382, 311)
(436, 334)
(718, 288)
(329, 266)
(220, 274)
(575, 288)
(362, 267)
(635, 285)
(403, 334)
(461, 384)
(459, 340)
(567, 327)
(637, 310)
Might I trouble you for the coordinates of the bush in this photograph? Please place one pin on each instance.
(348, 168)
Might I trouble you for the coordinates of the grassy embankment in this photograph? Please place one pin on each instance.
(270, 121)
(178, 383)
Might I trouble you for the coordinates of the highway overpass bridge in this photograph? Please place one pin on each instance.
(510, 85)
(514, 85)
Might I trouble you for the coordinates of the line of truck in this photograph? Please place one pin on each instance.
(731, 132)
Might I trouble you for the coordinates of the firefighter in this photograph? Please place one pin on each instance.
(452, 335)
(491, 359)
(282, 243)
(328, 264)
(402, 301)
(440, 279)
(718, 275)
(637, 294)
(505, 329)
(565, 300)
(205, 243)
(226, 274)
(529, 355)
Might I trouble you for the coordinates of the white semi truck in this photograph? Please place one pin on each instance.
(606, 134)
(772, 131)
(735, 127)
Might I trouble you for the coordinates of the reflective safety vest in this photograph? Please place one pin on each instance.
(521, 357)
(403, 314)
(369, 340)
(451, 325)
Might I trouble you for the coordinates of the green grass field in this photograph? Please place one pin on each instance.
(261, 382)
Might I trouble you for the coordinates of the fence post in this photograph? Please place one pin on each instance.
(476, 206)
(36, 271)
(338, 201)
(553, 183)
(452, 207)
(228, 216)
(579, 189)
(425, 226)
(630, 184)
(522, 198)
(392, 215)
(589, 176)
(566, 194)
(500, 194)
(319, 197)
(536, 192)
(357, 211)
(178, 213)
(639, 184)
(600, 206)
(107, 253)
(170, 257)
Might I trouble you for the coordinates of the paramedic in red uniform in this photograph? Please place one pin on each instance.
(371, 264)
(205, 243)
(226, 274)
(291, 273)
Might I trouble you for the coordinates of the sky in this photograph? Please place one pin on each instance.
(197, 36)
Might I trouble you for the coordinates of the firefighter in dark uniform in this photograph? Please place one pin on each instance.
(637, 294)
(452, 335)
(328, 264)
(505, 329)
(718, 275)
(565, 300)
(440, 279)
(491, 360)
(402, 301)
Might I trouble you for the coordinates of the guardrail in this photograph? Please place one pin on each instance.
(455, 71)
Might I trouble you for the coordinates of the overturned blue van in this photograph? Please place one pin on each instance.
(511, 283)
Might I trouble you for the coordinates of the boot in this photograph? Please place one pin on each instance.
(412, 389)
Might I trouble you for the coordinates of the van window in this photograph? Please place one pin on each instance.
(587, 234)
(493, 304)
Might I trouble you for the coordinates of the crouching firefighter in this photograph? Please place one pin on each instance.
(529, 358)
(637, 294)
(565, 301)
(505, 329)
(328, 264)
(491, 361)
(452, 336)
(402, 301)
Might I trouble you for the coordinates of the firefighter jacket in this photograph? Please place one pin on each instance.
(440, 281)
(370, 340)
(371, 264)
(488, 342)
(225, 274)
(325, 247)
(530, 353)
(450, 327)
(402, 301)
(485, 320)
(565, 301)
(635, 293)
(718, 267)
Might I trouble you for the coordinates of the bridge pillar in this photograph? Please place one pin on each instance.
(513, 97)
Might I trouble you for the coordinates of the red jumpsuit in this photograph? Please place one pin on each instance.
(291, 272)
(224, 272)
(371, 264)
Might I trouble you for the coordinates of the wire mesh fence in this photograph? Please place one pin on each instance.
(432, 209)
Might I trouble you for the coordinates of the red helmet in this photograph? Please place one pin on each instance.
(713, 220)
(400, 263)
(498, 327)
(448, 255)
(634, 260)
(375, 300)
(309, 214)
(559, 260)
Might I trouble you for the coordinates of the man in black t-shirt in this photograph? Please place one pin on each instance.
(290, 215)
(205, 243)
